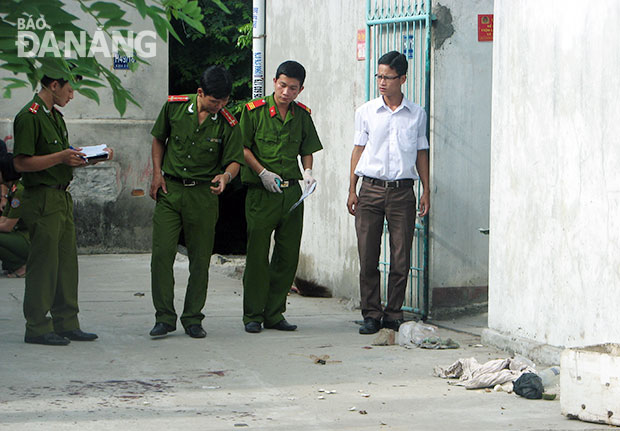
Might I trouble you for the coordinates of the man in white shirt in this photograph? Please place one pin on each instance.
(390, 143)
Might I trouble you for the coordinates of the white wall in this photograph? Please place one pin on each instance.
(555, 182)
(460, 145)
(322, 35)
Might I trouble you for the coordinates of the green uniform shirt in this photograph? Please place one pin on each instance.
(39, 131)
(276, 143)
(14, 207)
(193, 151)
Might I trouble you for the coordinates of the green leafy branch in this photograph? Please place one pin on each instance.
(108, 16)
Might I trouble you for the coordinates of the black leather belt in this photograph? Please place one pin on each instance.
(389, 184)
(184, 181)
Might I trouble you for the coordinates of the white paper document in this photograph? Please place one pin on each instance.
(95, 151)
(307, 193)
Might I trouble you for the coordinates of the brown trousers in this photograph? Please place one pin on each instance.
(398, 206)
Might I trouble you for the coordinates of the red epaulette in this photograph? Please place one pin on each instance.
(229, 117)
(255, 104)
(34, 107)
(178, 98)
(301, 105)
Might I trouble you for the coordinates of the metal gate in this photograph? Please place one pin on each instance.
(403, 25)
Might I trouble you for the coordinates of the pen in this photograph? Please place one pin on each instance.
(71, 148)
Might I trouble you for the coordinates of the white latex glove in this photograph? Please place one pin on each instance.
(308, 179)
(269, 181)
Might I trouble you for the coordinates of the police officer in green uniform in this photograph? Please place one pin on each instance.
(14, 242)
(43, 154)
(196, 152)
(276, 130)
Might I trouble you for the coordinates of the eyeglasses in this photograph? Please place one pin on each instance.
(387, 78)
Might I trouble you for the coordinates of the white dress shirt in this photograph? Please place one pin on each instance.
(392, 139)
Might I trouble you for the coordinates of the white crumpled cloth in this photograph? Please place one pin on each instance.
(472, 375)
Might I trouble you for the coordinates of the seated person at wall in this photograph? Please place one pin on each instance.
(14, 241)
(4, 190)
(7, 170)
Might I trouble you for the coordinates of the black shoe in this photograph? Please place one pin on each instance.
(160, 329)
(253, 327)
(49, 339)
(195, 331)
(283, 325)
(370, 326)
(393, 324)
(78, 335)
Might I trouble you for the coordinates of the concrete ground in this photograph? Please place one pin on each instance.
(234, 380)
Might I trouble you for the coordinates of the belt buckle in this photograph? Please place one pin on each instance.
(189, 183)
(284, 184)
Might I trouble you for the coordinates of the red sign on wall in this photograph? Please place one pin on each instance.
(485, 28)
(361, 45)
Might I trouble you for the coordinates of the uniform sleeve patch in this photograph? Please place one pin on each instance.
(301, 105)
(34, 107)
(15, 203)
(178, 98)
(255, 104)
(229, 117)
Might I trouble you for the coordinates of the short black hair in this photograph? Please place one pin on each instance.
(216, 82)
(292, 69)
(396, 60)
(46, 81)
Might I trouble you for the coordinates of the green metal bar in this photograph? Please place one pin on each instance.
(427, 78)
(423, 77)
(367, 50)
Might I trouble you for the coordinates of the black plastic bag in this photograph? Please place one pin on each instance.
(529, 385)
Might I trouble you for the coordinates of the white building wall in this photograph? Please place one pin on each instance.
(460, 145)
(555, 184)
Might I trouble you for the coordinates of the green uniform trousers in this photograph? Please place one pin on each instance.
(266, 284)
(14, 248)
(52, 266)
(195, 209)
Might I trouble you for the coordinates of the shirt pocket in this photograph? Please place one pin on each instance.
(206, 151)
(408, 140)
(55, 146)
(176, 143)
(267, 144)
